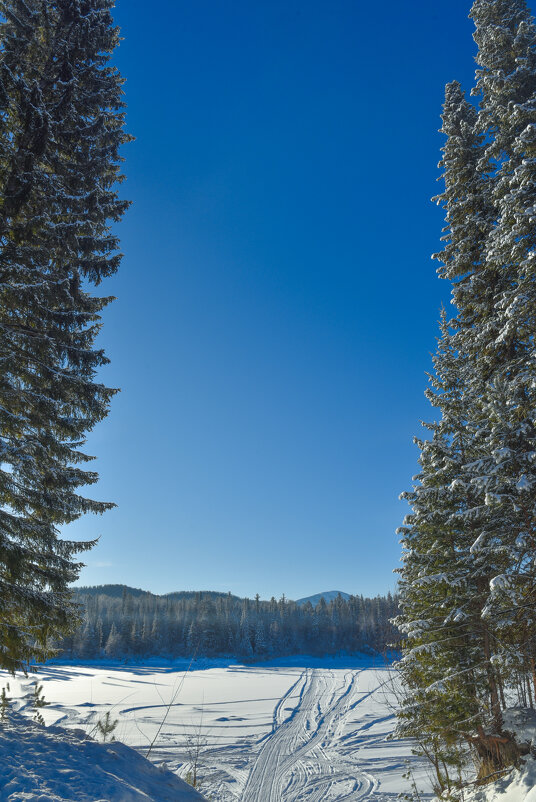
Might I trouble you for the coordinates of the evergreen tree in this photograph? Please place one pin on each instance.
(38, 701)
(199, 626)
(106, 725)
(194, 637)
(4, 703)
(114, 645)
(507, 83)
(447, 662)
(61, 122)
(260, 640)
(506, 35)
(468, 581)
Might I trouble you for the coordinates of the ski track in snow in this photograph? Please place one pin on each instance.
(299, 760)
(297, 732)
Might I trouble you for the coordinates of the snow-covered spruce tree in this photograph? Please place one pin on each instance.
(506, 35)
(475, 484)
(61, 121)
(444, 667)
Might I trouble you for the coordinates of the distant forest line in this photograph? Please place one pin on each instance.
(125, 622)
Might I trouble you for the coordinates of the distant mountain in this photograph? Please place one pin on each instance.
(115, 591)
(204, 594)
(328, 596)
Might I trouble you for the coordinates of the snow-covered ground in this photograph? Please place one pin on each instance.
(519, 785)
(39, 764)
(291, 729)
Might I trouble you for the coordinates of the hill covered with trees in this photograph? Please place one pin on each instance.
(136, 623)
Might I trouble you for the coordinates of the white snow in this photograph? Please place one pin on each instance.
(290, 729)
(518, 786)
(51, 764)
(524, 484)
(522, 722)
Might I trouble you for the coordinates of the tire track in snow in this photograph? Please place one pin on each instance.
(293, 762)
(280, 709)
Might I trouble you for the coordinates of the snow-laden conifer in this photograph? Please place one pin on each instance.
(506, 59)
(461, 611)
(506, 35)
(468, 208)
(450, 685)
(61, 118)
(460, 540)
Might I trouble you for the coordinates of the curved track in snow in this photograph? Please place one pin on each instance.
(310, 732)
(294, 762)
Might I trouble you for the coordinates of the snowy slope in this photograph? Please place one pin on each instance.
(518, 786)
(49, 764)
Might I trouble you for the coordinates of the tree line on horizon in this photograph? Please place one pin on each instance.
(206, 624)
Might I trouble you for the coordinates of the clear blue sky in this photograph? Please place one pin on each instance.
(277, 304)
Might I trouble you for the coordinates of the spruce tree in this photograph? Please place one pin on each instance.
(468, 598)
(506, 35)
(61, 127)
(443, 666)
(512, 438)
(446, 660)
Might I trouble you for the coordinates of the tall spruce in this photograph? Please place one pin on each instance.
(507, 118)
(468, 582)
(444, 667)
(61, 127)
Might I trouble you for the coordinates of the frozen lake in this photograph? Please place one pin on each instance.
(287, 730)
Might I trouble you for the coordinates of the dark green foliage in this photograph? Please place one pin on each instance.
(113, 591)
(468, 585)
(4, 702)
(177, 595)
(106, 725)
(118, 591)
(208, 623)
(61, 120)
(38, 702)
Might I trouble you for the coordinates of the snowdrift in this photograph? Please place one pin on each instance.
(50, 764)
(519, 785)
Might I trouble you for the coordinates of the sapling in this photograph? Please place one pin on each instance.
(38, 701)
(4, 703)
(106, 725)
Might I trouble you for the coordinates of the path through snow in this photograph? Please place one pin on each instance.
(300, 730)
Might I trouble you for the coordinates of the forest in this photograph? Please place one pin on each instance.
(140, 624)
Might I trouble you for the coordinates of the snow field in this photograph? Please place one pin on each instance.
(51, 764)
(284, 731)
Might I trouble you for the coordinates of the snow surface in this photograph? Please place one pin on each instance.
(49, 764)
(521, 721)
(518, 786)
(287, 730)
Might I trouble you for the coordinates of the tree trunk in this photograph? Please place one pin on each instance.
(533, 672)
(494, 694)
(495, 752)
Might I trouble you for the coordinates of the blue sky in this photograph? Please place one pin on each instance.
(277, 304)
